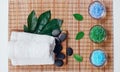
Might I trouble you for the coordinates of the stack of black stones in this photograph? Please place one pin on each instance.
(59, 56)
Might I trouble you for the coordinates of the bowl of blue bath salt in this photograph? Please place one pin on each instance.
(98, 58)
(97, 10)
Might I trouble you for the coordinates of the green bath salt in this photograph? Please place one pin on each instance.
(97, 34)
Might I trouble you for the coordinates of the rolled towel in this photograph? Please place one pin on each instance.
(32, 37)
(31, 49)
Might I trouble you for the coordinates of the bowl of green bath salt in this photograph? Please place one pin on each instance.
(97, 34)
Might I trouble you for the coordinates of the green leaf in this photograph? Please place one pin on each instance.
(42, 21)
(32, 21)
(78, 17)
(58, 21)
(53, 24)
(78, 57)
(26, 28)
(79, 35)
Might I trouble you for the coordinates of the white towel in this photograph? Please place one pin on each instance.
(31, 49)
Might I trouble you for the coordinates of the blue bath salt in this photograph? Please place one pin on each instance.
(98, 58)
(97, 10)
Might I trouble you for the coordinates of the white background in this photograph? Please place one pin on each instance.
(116, 13)
(4, 35)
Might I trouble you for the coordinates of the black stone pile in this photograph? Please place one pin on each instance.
(59, 56)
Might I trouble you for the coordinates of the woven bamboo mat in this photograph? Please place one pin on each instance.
(64, 9)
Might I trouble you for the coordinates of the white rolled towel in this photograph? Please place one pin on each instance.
(31, 49)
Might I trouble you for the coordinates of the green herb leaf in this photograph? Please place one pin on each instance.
(58, 21)
(32, 21)
(42, 21)
(26, 28)
(78, 17)
(53, 24)
(78, 57)
(79, 35)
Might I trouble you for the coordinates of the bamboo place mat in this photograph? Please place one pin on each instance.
(64, 9)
